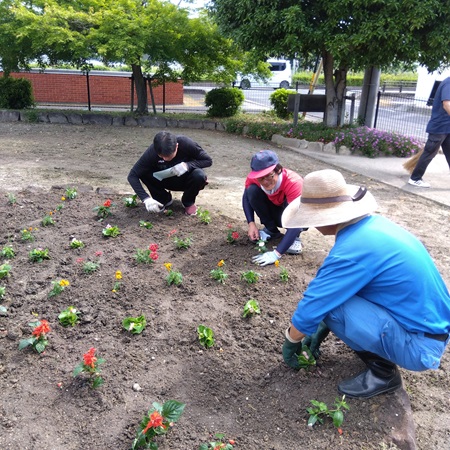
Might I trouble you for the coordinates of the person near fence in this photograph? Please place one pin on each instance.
(269, 188)
(438, 130)
(171, 163)
(378, 290)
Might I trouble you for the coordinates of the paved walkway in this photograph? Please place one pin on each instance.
(390, 170)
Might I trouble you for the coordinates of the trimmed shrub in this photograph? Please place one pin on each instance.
(15, 93)
(279, 101)
(224, 102)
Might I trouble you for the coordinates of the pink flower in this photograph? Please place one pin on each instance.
(235, 235)
(153, 247)
(154, 256)
(98, 253)
(171, 233)
(79, 260)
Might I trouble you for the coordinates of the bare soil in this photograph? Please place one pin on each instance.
(240, 386)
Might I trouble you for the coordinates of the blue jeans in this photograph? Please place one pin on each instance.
(365, 326)
(434, 142)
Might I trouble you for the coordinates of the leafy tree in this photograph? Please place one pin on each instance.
(151, 36)
(345, 33)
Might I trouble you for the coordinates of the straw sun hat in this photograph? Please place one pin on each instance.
(327, 200)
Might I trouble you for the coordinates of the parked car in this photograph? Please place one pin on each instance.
(281, 76)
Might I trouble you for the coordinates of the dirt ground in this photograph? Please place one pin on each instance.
(240, 386)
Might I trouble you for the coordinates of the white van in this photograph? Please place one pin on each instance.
(281, 76)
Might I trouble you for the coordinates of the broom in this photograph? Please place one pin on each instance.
(411, 162)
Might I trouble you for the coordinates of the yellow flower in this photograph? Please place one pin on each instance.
(168, 266)
(277, 263)
(114, 291)
(63, 198)
(118, 275)
(64, 283)
(221, 263)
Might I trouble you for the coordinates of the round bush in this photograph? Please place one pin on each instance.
(279, 101)
(15, 93)
(224, 102)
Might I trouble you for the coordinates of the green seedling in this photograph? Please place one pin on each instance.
(134, 325)
(320, 410)
(251, 308)
(205, 336)
(69, 317)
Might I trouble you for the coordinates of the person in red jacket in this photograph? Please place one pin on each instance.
(269, 188)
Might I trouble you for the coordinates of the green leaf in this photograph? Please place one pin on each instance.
(26, 342)
(134, 325)
(203, 447)
(78, 370)
(3, 311)
(40, 346)
(312, 419)
(172, 410)
(338, 418)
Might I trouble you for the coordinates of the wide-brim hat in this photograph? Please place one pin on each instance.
(327, 200)
(263, 163)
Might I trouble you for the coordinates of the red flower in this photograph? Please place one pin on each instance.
(98, 253)
(171, 233)
(155, 421)
(107, 204)
(235, 235)
(89, 358)
(154, 256)
(79, 260)
(153, 247)
(41, 329)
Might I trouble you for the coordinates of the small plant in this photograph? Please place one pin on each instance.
(232, 235)
(145, 256)
(69, 317)
(204, 216)
(320, 410)
(104, 210)
(174, 277)
(59, 207)
(11, 198)
(182, 243)
(8, 252)
(118, 276)
(70, 193)
(158, 421)
(90, 366)
(250, 308)
(134, 325)
(2, 292)
(223, 102)
(306, 359)
(219, 443)
(261, 246)
(168, 212)
(90, 266)
(4, 270)
(130, 202)
(38, 254)
(27, 234)
(284, 274)
(58, 287)
(38, 339)
(218, 274)
(111, 231)
(47, 220)
(205, 336)
(144, 224)
(76, 243)
(250, 276)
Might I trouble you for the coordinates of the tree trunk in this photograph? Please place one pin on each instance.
(369, 93)
(141, 89)
(335, 87)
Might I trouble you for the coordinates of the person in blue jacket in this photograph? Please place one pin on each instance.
(378, 290)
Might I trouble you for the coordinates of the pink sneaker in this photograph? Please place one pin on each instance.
(190, 210)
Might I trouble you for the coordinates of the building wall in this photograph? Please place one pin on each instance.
(106, 88)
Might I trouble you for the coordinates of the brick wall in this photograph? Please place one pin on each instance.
(69, 86)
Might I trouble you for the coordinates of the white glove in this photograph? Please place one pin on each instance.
(180, 169)
(266, 258)
(152, 205)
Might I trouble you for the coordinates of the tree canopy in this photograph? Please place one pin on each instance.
(152, 37)
(347, 34)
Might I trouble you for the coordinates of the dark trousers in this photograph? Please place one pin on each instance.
(191, 183)
(434, 142)
(268, 213)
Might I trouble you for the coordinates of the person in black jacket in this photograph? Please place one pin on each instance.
(171, 163)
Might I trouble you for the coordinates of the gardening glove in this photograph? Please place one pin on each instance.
(152, 205)
(291, 349)
(314, 341)
(266, 258)
(180, 169)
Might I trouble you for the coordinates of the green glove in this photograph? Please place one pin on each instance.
(314, 341)
(290, 351)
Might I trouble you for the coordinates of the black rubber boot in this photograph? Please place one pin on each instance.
(381, 377)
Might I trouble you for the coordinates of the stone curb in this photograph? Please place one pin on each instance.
(88, 118)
